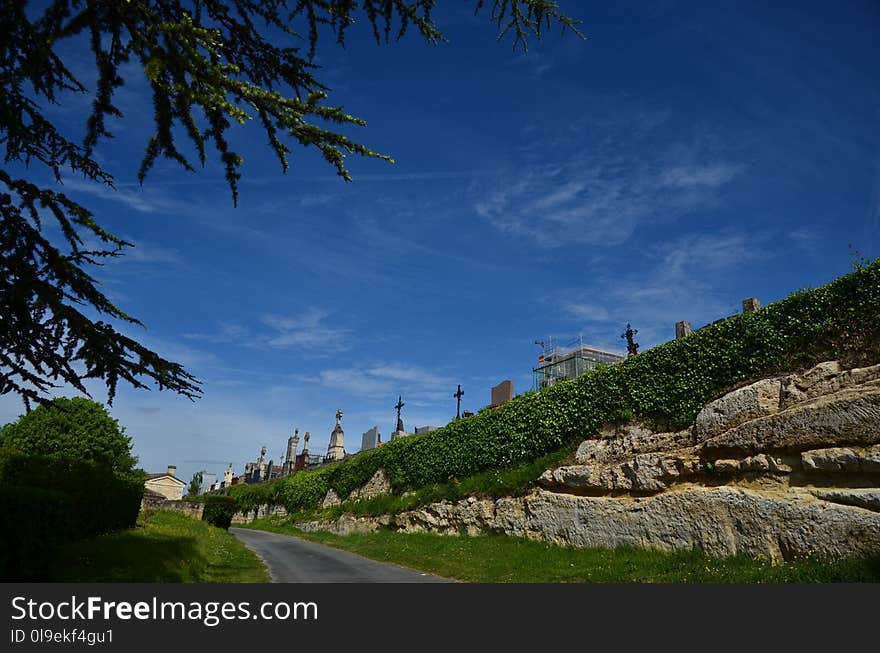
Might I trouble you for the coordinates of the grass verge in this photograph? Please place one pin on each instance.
(502, 559)
(164, 547)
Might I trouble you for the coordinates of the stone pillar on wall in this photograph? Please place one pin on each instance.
(502, 393)
(683, 329)
(751, 305)
(290, 458)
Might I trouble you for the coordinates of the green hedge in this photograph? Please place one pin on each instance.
(219, 510)
(101, 500)
(95, 500)
(665, 386)
(32, 522)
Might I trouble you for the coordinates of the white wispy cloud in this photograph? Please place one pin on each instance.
(307, 331)
(148, 252)
(386, 379)
(356, 382)
(537, 64)
(587, 311)
(612, 171)
(227, 332)
(598, 199)
(689, 253)
(317, 199)
(141, 252)
(134, 199)
(711, 175)
(806, 239)
(681, 282)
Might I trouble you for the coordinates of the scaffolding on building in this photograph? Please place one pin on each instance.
(558, 363)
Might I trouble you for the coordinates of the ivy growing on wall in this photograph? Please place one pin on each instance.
(665, 387)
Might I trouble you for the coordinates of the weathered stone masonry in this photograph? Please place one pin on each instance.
(781, 466)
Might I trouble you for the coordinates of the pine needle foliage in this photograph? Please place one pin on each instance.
(211, 65)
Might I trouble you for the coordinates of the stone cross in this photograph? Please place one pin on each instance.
(458, 395)
(398, 406)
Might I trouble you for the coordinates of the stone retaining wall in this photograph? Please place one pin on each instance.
(780, 467)
(189, 508)
(246, 517)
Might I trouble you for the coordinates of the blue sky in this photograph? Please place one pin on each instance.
(682, 158)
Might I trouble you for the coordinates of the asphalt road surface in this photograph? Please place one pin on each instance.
(292, 560)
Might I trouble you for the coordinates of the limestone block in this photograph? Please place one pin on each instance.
(842, 459)
(871, 460)
(847, 417)
(726, 466)
(630, 430)
(818, 375)
(470, 516)
(764, 463)
(760, 463)
(572, 476)
(868, 498)
(649, 472)
(376, 486)
(721, 521)
(330, 499)
(861, 375)
(510, 517)
(347, 525)
(591, 450)
(431, 518)
(834, 459)
(734, 408)
(646, 472)
(823, 379)
(619, 443)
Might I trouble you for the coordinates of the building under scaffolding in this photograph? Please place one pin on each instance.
(557, 363)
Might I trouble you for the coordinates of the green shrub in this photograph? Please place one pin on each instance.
(219, 510)
(73, 428)
(664, 386)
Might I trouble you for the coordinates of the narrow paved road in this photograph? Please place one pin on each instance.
(292, 560)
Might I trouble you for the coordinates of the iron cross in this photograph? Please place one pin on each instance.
(632, 347)
(458, 396)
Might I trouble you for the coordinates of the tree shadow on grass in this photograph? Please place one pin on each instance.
(136, 556)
